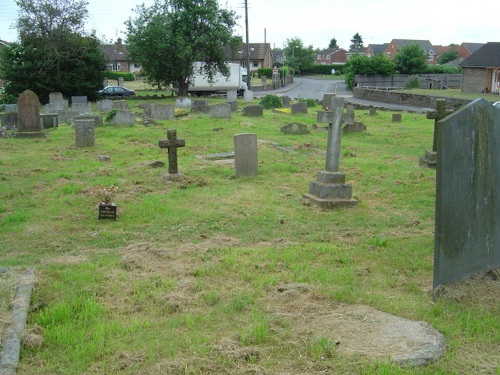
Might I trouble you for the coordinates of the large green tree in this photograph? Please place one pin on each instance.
(411, 59)
(333, 44)
(171, 35)
(298, 56)
(370, 66)
(356, 42)
(54, 54)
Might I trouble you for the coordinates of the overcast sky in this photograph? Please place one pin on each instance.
(316, 22)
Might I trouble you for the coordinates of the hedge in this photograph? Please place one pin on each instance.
(114, 75)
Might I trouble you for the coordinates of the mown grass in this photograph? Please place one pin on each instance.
(188, 279)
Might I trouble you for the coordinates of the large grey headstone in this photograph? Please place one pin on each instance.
(29, 116)
(253, 110)
(248, 96)
(467, 223)
(297, 108)
(84, 133)
(232, 95)
(55, 97)
(222, 110)
(123, 117)
(78, 99)
(120, 104)
(105, 105)
(245, 155)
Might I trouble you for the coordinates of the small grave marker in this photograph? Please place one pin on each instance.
(245, 155)
(29, 116)
(172, 144)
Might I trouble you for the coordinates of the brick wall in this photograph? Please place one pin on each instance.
(474, 80)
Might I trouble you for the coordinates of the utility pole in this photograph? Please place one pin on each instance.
(249, 76)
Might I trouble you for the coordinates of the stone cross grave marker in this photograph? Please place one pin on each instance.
(245, 155)
(429, 159)
(171, 144)
(467, 223)
(29, 116)
(330, 189)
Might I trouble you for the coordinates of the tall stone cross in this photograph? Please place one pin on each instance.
(334, 120)
(438, 114)
(171, 144)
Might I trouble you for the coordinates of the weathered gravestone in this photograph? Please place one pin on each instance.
(467, 222)
(55, 97)
(171, 144)
(200, 106)
(183, 102)
(294, 128)
(123, 117)
(248, 96)
(327, 101)
(330, 189)
(430, 156)
(253, 110)
(48, 121)
(231, 95)
(79, 99)
(105, 105)
(9, 120)
(245, 155)
(29, 116)
(351, 126)
(159, 111)
(120, 104)
(10, 107)
(396, 117)
(84, 132)
(222, 110)
(298, 108)
(82, 108)
(98, 120)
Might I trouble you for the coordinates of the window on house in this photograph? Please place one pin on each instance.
(255, 64)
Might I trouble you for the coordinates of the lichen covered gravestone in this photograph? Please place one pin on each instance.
(467, 223)
(29, 116)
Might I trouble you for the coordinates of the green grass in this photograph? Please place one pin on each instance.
(194, 276)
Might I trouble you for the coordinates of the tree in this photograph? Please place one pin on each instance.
(364, 65)
(411, 59)
(171, 35)
(53, 53)
(356, 42)
(299, 57)
(333, 44)
(447, 56)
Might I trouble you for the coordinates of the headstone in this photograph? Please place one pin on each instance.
(349, 115)
(84, 133)
(65, 115)
(327, 101)
(82, 108)
(98, 120)
(373, 111)
(253, 110)
(48, 121)
(9, 120)
(330, 189)
(200, 106)
(10, 108)
(183, 102)
(234, 106)
(120, 104)
(356, 127)
(245, 155)
(60, 105)
(105, 105)
(171, 144)
(29, 116)
(396, 117)
(248, 96)
(430, 156)
(122, 117)
(222, 110)
(467, 219)
(55, 97)
(294, 128)
(232, 95)
(286, 101)
(159, 111)
(297, 108)
(78, 99)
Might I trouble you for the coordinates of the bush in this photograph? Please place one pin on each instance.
(271, 101)
(413, 83)
(265, 72)
(114, 75)
(310, 102)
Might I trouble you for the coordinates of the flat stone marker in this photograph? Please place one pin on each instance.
(467, 218)
(172, 144)
(330, 189)
(84, 133)
(29, 116)
(245, 155)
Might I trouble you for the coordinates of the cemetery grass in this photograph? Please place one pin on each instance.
(211, 274)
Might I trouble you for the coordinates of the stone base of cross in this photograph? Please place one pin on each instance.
(330, 190)
(429, 160)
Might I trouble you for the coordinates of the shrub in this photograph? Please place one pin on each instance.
(310, 102)
(413, 83)
(264, 72)
(127, 76)
(271, 101)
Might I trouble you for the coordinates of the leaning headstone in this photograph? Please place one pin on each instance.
(248, 96)
(183, 102)
(172, 144)
(430, 157)
(396, 117)
(105, 105)
(29, 116)
(120, 104)
(200, 106)
(79, 99)
(330, 189)
(253, 110)
(123, 117)
(297, 108)
(467, 219)
(84, 133)
(286, 101)
(294, 128)
(9, 120)
(48, 121)
(55, 97)
(245, 155)
(231, 95)
(222, 110)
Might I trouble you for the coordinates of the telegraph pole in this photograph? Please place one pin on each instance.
(249, 77)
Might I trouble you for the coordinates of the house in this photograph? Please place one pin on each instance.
(260, 55)
(481, 70)
(467, 49)
(116, 58)
(397, 44)
(375, 49)
(331, 56)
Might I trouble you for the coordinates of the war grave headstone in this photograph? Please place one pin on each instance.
(29, 116)
(253, 110)
(330, 189)
(430, 156)
(222, 110)
(396, 117)
(294, 128)
(200, 106)
(467, 218)
(120, 104)
(245, 155)
(232, 95)
(123, 117)
(105, 105)
(183, 102)
(248, 96)
(172, 143)
(298, 108)
(49, 121)
(84, 133)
